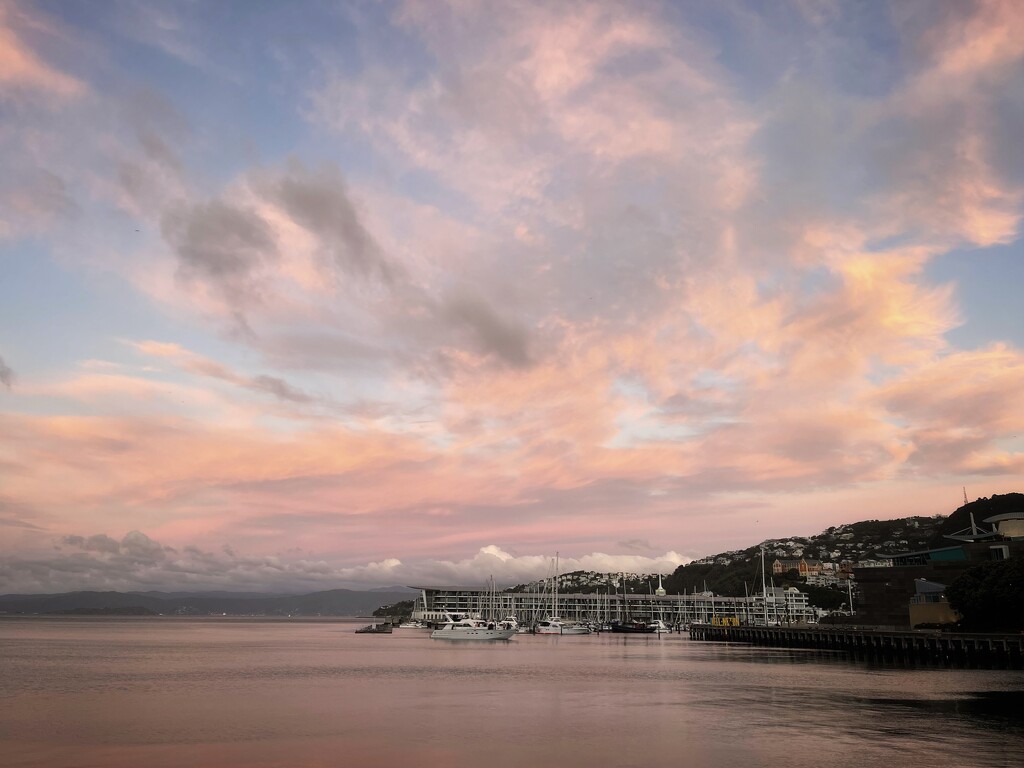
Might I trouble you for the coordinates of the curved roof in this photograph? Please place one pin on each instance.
(1005, 516)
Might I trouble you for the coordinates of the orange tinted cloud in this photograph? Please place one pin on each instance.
(21, 69)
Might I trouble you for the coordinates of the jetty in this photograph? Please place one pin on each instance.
(949, 649)
(384, 628)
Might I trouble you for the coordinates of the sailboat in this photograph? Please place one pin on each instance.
(553, 624)
(629, 625)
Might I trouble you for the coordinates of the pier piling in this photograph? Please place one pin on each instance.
(971, 651)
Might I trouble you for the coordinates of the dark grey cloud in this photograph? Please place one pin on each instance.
(279, 388)
(492, 333)
(135, 548)
(13, 522)
(321, 350)
(99, 542)
(49, 194)
(320, 202)
(6, 374)
(636, 545)
(32, 198)
(140, 563)
(271, 385)
(152, 115)
(151, 171)
(158, 150)
(221, 245)
(138, 545)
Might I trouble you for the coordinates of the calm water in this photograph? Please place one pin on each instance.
(179, 692)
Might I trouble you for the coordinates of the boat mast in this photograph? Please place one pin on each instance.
(764, 588)
(556, 585)
(625, 600)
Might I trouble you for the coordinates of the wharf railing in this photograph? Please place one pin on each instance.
(970, 651)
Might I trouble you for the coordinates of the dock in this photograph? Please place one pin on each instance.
(948, 649)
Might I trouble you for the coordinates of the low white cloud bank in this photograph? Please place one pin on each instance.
(137, 562)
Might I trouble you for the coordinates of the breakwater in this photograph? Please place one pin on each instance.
(970, 651)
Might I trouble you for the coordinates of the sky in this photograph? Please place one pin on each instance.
(298, 296)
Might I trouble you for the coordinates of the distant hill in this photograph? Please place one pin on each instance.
(335, 602)
(211, 593)
(734, 573)
(738, 572)
(726, 572)
(132, 611)
(981, 508)
(587, 582)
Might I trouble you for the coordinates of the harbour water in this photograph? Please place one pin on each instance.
(248, 692)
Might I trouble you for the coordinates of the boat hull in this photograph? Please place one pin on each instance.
(555, 626)
(472, 633)
(630, 629)
(575, 631)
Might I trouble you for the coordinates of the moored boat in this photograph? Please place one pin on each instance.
(555, 626)
(472, 629)
(375, 629)
(634, 627)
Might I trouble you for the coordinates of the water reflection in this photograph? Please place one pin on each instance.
(181, 692)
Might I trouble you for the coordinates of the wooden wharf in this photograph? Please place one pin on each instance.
(969, 651)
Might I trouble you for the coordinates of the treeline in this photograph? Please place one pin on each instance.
(990, 596)
(401, 609)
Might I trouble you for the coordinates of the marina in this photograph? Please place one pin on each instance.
(435, 604)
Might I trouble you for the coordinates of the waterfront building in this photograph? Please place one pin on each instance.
(435, 603)
(893, 596)
(928, 605)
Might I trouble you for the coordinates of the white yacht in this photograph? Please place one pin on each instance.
(553, 625)
(472, 629)
(510, 622)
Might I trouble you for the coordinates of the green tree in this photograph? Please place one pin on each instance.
(823, 597)
(990, 596)
(398, 610)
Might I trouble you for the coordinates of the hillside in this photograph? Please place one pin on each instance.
(853, 544)
(997, 504)
(859, 543)
(335, 602)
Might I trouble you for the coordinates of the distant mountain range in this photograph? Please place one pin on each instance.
(334, 602)
(727, 573)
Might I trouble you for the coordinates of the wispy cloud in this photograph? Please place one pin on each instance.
(557, 277)
(6, 374)
(22, 69)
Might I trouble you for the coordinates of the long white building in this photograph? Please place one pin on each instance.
(783, 605)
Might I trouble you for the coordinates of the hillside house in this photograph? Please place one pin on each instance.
(804, 566)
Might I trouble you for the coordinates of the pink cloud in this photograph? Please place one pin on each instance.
(21, 69)
(579, 287)
(980, 37)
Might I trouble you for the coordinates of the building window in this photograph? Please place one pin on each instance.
(1001, 552)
